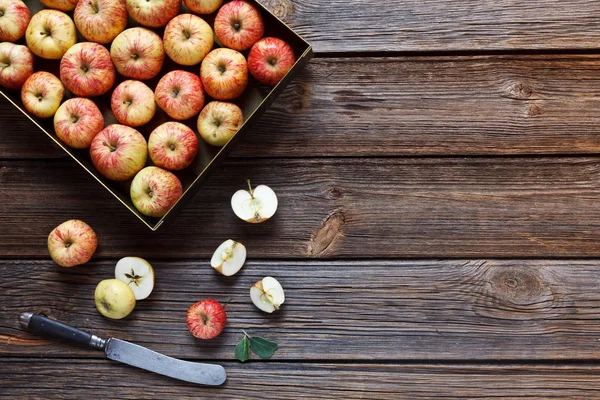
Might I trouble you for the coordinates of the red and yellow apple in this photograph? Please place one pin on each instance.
(50, 34)
(154, 191)
(206, 319)
(62, 5)
(42, 93)
(179, 94)
(77, 121)
(153, 13)
(16, 65)
(14, 18)
(203, 6)
(270, 59)
(72, 243)
(224, 74)
(132, 103)
(172, 146)
(119, 152)
(138, 53)
(86, 70)
(188, 39)
(219, 121)
(238, 25)
(100, 21)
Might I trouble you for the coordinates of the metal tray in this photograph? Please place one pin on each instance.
(255, 100)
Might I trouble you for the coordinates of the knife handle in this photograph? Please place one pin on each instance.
(45, 326)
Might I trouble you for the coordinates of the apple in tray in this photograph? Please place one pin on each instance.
(238, 25)
(16, 65)
(77, 121)
(224, 74)
(219, 121)
(62, 5)
(118, 152)
(270, 59)
(42, 93)
(179, 94)
(14, 18)
(100, 21)
(153, 13)
(172, 146)
(50, 34)
(138, 53)
(203, 6)
(154, 191)
(188, 39)
(87, 70)
(132, 103)
(72, 243)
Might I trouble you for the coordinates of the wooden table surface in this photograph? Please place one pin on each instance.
(438, 236)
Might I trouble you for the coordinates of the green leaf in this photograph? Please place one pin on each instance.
(262, 347)
(242, 350)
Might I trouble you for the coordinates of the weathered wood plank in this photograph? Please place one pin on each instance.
(438, 25)
(361, 310)
(410, 106)
(344, 208)
(75, 379)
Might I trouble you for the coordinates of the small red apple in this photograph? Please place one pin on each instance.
(238, 25)
(224, 74)
(270, 59)
(206, 319)
(87, 70)
(77, 121)
(173, 146)
(16, 65)
(14, 18)
(72, 243)
(179, 94)
(100, 21)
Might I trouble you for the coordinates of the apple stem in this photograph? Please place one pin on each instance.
(250, 188)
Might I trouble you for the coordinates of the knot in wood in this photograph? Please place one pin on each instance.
(533, 110)
(518, 287)
(334, 193)
(519, 91)
(328, 234)
(280, 8)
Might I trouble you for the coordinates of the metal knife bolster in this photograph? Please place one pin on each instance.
(44, 325)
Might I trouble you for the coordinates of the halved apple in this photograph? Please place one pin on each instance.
(138, 274)
(254, 205)
(267, 294)
(229, 257)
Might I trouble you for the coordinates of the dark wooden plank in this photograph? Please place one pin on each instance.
(368, 310)
(439, 25)
(75, 379)
(382, 208)
(410, 106)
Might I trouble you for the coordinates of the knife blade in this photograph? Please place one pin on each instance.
(128, 353)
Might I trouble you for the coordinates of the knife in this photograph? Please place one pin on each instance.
(128, 353)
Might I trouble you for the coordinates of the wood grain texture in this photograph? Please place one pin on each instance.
(331, 208)
(438, 25)
(75, 379)
(361, 310)
(399, 106)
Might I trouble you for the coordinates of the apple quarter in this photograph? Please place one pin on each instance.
(147, 64)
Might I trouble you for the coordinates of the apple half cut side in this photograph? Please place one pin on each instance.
(267, 294)
(229, 257)
(254, 205)
(138, 274)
